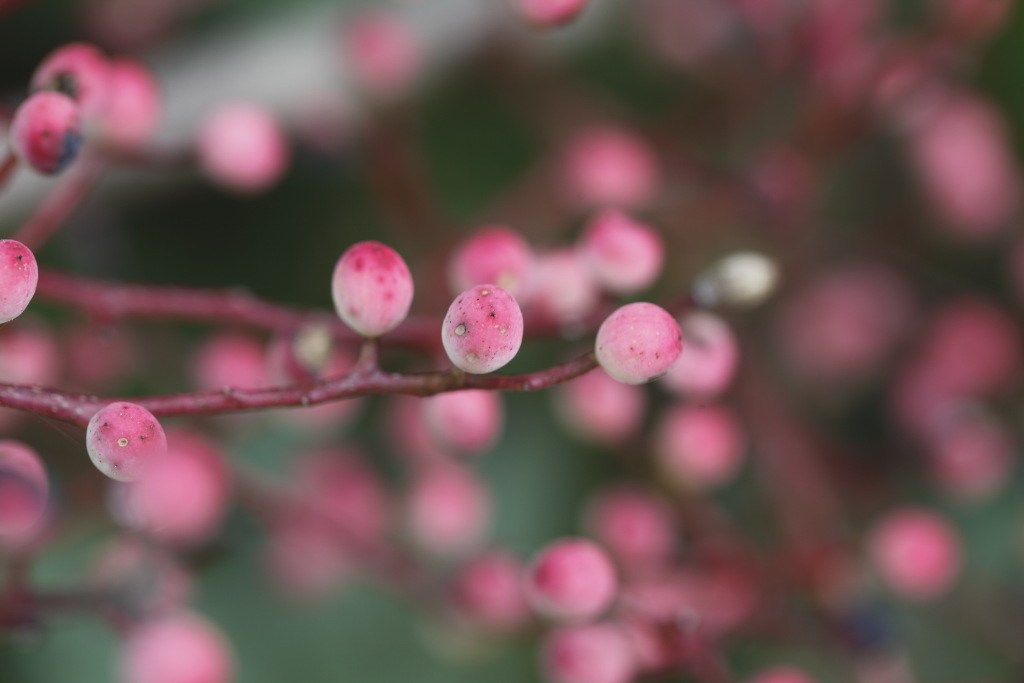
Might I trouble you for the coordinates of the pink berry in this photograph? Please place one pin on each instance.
(971, 456)
(638, 343)
(483, 329)
(916, 552)
(625, 256)
(635, 525)
(242, 148)
(709, 364)
(699, 446)
(230, 359)
(182, 498)
(588, 653)
(305, 558)
(372, 288)
(24, 489)
(178, 648)
(123, 439)
(550, 13)
(134, 106)
(152, 575)
(46, 132)
(571, 579)
(781, 674)
(609, 166)
(99, 357)
(19, 275)
(467, 421)
(79, 71)
(382, 52)
(566, 291)
(599, 409)
(449, 510)
(488, 590)
(493, 254)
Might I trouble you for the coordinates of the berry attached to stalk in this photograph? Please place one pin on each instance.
(483, 329)
(19, 276)
(372, 288)
(122, 439)
(46, 132)
(638, 343)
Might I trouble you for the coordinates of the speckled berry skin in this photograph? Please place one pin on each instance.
(78, 70)
(19, 275)
(483, 329)
(122, 439)
(46, 132)
(372, 288)
(638, 343)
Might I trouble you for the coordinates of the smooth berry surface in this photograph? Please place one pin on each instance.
(494, 254)
(242, 148)
(638, 343)
(46, 132)
(123, 439)
(483, 329)
(625, 255)
(179, 648)
(372, 288)
(24, 489)
(19, 276)
(571, 579)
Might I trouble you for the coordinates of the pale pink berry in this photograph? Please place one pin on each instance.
(383, 53)
(306, 558)
(638, 343)
(99, 357)
(712, 355)
(549, 13)
(971, 456)
(966, 171)
(566, 291)
(134, 106)
(46, 132)
(781, 674)
(635, 525)
(123, 439)
(625, 255)
(916, 552)
(588, 653)
(571, 579)
(372, 288)
(183, 496)
(242, 148)
(488, 590)
(81, 72)
(494, 254)
(24, 489)
(483, 329)
(449, 510)
(230, 359)
(466, 421)
(347, 494)
(688, 34)
(699, 446)
(19, 275)
(609, 166)
(599, 409)
(178, 648)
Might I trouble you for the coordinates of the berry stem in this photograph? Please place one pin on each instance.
(78, 408)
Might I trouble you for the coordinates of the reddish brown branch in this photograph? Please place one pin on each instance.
(58, 206)
(78, 408)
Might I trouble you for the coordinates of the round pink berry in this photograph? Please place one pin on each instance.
(123, 439)
(468, 421)
(449, 510)
(488, 590)
(134, 106)
(79, 71)
(372, 288)
(712, 354)
(625, 256)
(638, 343)
(382, 52)
(549, 13)
(24, 489)
(19, 275)
(242, 148)
(230, 359)
(566, 291)
(635, 525)
(494, 254)
(483, 329)
(46, 132)
(179, 648)
(609, 166)
(699, 446)
(599, 409)
(588, 653)
(571, 579)
(916, 552)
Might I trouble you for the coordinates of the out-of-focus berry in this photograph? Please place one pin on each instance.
(241, 147)
(46, 132)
